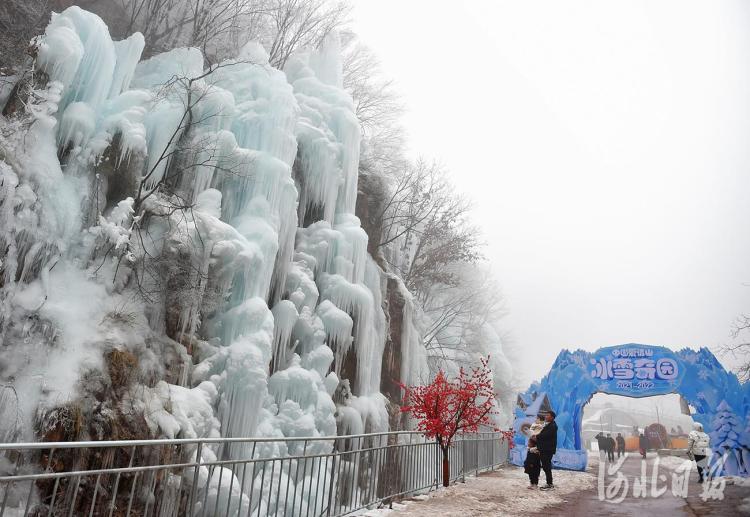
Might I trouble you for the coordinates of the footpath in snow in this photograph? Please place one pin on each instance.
(499, 493)
(504, 493)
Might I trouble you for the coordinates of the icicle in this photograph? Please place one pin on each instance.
(77, 124)
(300, 284)
(124, 115)
(295, 383)
(284, 318)
(308, 332)
(338, 326)
(357, 300)
(60, 50)
(413, 358)
(91, 80)
(330, 153)
(128, 53)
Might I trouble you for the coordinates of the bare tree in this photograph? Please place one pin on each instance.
(456, 312)
(214, 25)
(20, 20)
(739, 350)
(429, 222)
(165, 170)
(432, 245)
(417, 194)
(378, 109)
(152, 18)
(168, 180)
(447, 238)
(376, 102)
(165, 24)
(295, 24)
(221, 27)
(218, 27)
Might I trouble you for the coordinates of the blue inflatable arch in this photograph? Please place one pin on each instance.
(633, 370)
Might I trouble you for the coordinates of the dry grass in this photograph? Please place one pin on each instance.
(122, 367)
(62, 424)
(121, 316)
(70, 423)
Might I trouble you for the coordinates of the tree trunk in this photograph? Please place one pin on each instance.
(446, 467)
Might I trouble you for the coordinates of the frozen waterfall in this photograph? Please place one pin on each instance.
(201, 218)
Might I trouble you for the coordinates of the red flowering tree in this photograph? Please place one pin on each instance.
(445, 408)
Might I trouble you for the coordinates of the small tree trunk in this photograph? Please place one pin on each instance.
(446, 467)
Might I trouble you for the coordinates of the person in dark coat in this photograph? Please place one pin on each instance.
(643, 445)
(532, 464)
(546, 444)
(620, 444)
(610, 447)
(601, 441)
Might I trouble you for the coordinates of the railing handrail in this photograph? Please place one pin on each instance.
(159, 477)
(215, 463)
(183, 441)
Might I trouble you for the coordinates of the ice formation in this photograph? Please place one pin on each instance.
(200, 223)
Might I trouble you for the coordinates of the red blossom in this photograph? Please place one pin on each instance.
(508, 437)
(445, 408)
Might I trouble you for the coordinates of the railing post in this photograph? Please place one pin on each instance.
(332, 481)
(438, 466)
(495, 444)
(117, 483)
(194, 486)
(477, 444)
(463, 460)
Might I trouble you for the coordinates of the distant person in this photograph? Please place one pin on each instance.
(643, 445)
(546, 443)
(620, 444)
(610, 447)
(699, 448)
(601, 441)
(532, 464)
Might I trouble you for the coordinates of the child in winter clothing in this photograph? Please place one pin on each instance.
(532, 465)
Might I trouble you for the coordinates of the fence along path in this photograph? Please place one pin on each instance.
(240, 477)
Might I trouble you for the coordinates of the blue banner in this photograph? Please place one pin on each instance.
(636, 370)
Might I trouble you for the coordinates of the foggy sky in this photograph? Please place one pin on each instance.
(606, 147)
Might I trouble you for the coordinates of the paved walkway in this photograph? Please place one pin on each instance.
(504, 493)
(663, 503)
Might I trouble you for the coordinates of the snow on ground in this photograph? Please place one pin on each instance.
(499, 493)
(674, 462)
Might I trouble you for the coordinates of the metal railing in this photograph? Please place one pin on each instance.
(241, 477)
